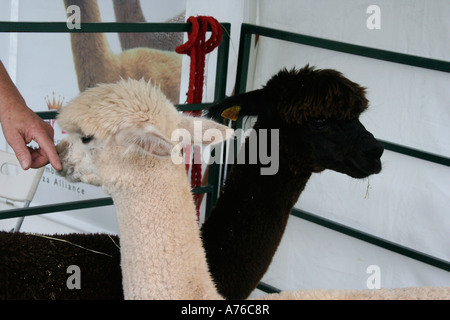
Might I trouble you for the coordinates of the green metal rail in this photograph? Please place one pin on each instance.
(247, 31)
(212, 188)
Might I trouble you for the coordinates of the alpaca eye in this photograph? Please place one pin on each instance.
(86, 139)
(318, 123)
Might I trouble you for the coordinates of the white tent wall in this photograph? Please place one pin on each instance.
(407, 202)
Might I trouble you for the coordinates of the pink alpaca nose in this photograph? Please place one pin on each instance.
(61, 148)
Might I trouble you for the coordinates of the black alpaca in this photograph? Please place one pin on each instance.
(316, 113)
(35, 267)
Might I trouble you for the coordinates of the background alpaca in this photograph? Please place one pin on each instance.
(131, 11)
(161, 251)
(316, 113)
(95, 62)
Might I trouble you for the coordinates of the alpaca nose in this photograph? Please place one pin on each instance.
(375, 150)
(371, 147)
(61, 148)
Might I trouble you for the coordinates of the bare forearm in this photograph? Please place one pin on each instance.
(10, 97)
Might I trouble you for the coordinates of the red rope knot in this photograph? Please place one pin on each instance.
(196, 48)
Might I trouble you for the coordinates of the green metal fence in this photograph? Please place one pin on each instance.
(211, 189)
(248, 31)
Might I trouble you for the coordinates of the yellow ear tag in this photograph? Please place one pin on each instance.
(231, 113)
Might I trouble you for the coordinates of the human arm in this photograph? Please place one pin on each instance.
(21, 125)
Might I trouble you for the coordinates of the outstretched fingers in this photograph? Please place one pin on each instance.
(46, 153)
(21, 150)
(29, 157)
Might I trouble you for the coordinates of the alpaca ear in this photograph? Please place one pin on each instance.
(148, 138)
(201, 131)
(245, 104)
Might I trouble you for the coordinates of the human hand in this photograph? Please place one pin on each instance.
(20, 126)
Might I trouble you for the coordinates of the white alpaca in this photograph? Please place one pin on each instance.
(118, 137)
(96, 63)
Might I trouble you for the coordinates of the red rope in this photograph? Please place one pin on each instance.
(196, 48)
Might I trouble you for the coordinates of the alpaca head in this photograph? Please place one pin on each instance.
(121, 125)
(317, 114)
